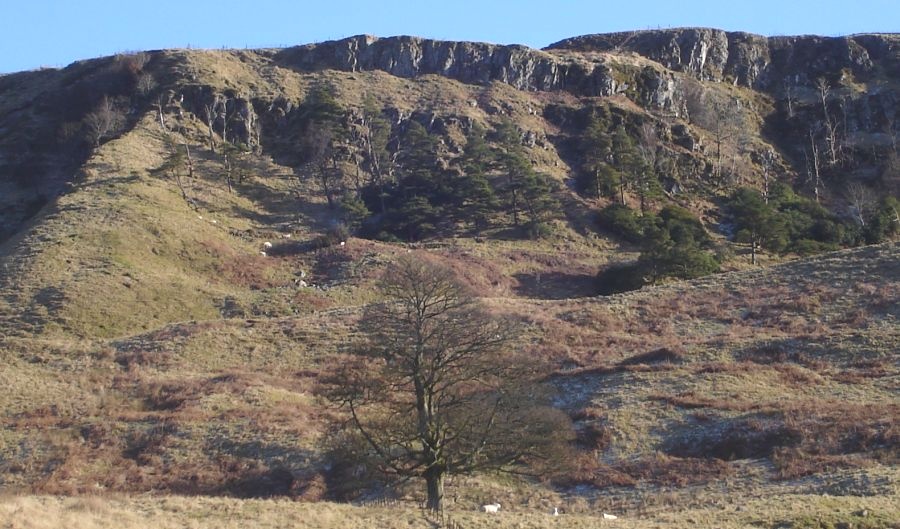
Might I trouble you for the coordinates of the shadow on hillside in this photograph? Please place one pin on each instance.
(257, 469)
(555, 285)
(849, 263)
(280, 207)
(108, 181)
(25, 318)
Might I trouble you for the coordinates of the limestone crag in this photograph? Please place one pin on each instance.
(469, 62)
(762, 63)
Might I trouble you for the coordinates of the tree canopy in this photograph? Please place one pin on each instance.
(434, 386)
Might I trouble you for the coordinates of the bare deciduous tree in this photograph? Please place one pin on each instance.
(829, 124)
(813, 165)
(104, 122)
(179, 160)
(861, 201)
(434, 388)
(224, 115)
(146, 84)
(162, 100)
(250, 121)
(768, 164)
(718, 113)
(789, 97)
(372, 135)
(211, 111)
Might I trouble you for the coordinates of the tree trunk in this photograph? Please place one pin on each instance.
(753, 252)
(162, 119)
(515, 207)
(228, 173)
(643, 195)
(434, 479)
(719, 157)
(324, 180)
(190, 161)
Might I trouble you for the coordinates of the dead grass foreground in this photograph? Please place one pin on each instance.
(165, 512)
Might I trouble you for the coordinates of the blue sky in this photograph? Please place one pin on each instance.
(56, 32)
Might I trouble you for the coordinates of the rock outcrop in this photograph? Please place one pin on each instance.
(762, 63)
(469, 62)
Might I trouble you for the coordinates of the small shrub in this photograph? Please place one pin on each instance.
(593, 436)
(792, 463)
(619, 278)
(538, 230)
(335, 235)
(666, 470)
(742, 439)
(622, 221)
(806, 247)
(586, 469)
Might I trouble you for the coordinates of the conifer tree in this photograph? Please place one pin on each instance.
(757, 222)
(525, 189)
(626, 159)
(596, 143)
(321, 115)
(475, 196)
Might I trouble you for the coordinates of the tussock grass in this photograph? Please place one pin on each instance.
(48, 512)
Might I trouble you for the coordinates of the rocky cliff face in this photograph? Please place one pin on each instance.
(470, 62)
(45, 111)
(654, 69)
(769, 64)
(763, 63)
(751, 60)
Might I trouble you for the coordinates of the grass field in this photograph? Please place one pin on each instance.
(791, 511)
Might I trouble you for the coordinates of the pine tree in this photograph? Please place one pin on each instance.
(416, 200)
(418, 168)
(599, 177)
(626, 159)
(646, 168)
(480, 201)
(320, 115)
(525, 189)
(538, 200)
(474, 196)
(757, 222)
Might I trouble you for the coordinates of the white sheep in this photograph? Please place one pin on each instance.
(609, 516)
(267, 245)
(491, 507)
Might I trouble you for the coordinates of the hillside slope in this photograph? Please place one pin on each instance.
(772, 382)
(178, 270)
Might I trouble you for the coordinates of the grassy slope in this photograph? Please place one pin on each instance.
(147, 347)
(240, 390)
(42, 512)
